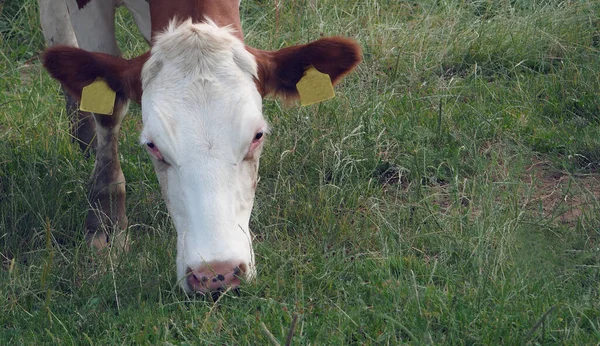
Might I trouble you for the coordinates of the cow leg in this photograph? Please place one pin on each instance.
(58, 30)
(56, 23)
(93, 23)
(83, 126)
(107, 184)
(140, 11)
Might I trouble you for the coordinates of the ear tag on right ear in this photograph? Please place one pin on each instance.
(314, 87)
(97, 97)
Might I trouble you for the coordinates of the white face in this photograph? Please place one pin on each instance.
(204, 129)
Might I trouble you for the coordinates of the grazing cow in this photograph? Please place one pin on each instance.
(201, 93)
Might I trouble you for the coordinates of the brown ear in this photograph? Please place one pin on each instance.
(279, 71)
(76, 68)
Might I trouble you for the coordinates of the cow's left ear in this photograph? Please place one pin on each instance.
(279, 71)
(76, 68)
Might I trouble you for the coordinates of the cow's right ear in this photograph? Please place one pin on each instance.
(76, 68)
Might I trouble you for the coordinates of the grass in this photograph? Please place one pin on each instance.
(448, 194)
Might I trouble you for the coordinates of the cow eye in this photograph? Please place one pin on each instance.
(258, 136)
(153, 150)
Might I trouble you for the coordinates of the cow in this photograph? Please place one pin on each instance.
(200, 89)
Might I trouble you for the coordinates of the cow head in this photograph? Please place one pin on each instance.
(201, 93)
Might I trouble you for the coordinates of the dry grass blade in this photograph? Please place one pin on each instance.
(270, 336)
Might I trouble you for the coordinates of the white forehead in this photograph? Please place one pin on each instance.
(199, 78)
(198, 51)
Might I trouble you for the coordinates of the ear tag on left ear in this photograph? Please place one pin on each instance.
(97, 97)
(314, 87)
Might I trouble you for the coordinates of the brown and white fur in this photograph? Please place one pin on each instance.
(201, 93)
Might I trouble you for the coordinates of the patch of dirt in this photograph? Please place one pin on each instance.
(27, 71)
(545, 192)
(388, 173)
(560, 195)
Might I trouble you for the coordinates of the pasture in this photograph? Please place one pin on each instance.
(447, 195)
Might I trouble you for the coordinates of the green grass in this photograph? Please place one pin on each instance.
(448, 194)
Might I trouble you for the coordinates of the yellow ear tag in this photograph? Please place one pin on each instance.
(314, 87)
(97, 97)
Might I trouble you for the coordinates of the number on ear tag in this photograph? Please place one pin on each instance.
(314, 87)
(98, 97)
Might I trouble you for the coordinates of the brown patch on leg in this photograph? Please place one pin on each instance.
(83, 127)
(82, 3)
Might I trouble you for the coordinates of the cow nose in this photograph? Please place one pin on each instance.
(216, 276)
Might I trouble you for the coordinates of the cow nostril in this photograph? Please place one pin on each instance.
(215, 276)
